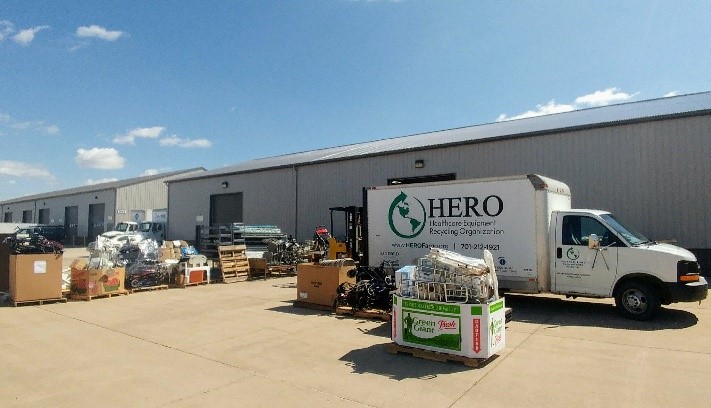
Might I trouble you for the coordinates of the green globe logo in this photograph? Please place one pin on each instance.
(406, 221)
(573, 254)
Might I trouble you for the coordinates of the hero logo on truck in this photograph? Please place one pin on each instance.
(406, 221)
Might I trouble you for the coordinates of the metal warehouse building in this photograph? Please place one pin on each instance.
(648, 162)
(88, 211)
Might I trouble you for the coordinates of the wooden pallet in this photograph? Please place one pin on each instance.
(364, 314)
(185, 285)
(38, 301)
(147, 288)
(75, 296)
(233, 263)
(394, 348)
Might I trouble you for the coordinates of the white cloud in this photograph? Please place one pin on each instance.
(95, 31)
(25, 37)
(602, 98)
(185, 143)
(597, 98)
(20, 125)
(36, 125)
(670, 94)
(20, 169)
(130, 137)
(99, 158)
(550, 108)
(6, 29)
(91, 182)
(150, 172)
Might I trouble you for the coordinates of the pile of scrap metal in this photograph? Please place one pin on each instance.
(141, 260)
(146, 273)
(33, 244)
(446, 276)
(285, 251)
(371, 290)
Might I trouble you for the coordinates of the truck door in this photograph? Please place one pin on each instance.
(579, 269)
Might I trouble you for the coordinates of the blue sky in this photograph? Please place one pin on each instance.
(94, 91)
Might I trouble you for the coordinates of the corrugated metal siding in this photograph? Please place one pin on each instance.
(269, 198)
(151, 195)
(654, 175)
(584, 118)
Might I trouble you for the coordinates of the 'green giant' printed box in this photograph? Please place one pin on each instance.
(469, 330)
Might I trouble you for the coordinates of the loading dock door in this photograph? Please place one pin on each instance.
(71, 222)
(44, 216)
(226, 208)
(96, 220)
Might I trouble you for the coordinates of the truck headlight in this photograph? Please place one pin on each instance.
(687, 271)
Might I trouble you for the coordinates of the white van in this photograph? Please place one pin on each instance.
(540, 244)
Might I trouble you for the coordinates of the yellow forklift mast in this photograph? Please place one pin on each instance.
(351, 246)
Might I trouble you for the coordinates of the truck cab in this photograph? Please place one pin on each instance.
(152, 230)
(596, 255)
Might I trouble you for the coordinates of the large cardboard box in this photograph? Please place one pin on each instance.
(35, 277)
(317, 283)
(95, 282)
(469, 330)
(4, 266)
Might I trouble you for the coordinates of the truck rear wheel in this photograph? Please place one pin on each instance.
(637, 301)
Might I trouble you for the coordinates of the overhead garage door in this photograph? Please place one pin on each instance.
(96, 219)
(225, 208)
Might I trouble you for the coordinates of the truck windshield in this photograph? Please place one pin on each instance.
(122, 226)
(145, 227)
(632, 236)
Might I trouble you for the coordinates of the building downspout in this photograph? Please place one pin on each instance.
(296, 202)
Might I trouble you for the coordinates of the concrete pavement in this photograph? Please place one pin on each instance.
(244, 344)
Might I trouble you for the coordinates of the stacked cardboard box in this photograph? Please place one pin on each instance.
(35, 277)
(317, 284)
(171, 250)
(95, 282)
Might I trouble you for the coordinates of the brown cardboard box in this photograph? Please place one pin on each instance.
(317, 284)
(4, 267)
(35, 277)
(96, 282)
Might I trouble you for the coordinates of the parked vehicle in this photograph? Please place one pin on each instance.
(130, 232)
(152, 230)
(539, 243)
(51, 232)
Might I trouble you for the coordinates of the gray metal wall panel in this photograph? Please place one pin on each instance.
(148, 195)
(269, 199)
(654, 175)
(56, 207)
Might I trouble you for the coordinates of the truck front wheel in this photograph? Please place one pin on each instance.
(637, 301)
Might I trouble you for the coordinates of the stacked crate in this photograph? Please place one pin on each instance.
(233, 263)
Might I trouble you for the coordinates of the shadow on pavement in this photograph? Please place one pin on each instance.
(564, 312)
(376, 360)
(300, 311)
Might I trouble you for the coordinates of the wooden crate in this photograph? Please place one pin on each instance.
(233, 262)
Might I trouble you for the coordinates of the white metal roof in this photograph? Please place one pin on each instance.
(103, 186)
(691, 104)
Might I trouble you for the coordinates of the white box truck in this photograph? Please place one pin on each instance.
(539, 243)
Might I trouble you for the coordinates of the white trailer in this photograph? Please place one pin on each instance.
(539, 243)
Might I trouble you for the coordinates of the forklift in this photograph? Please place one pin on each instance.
(351, 244)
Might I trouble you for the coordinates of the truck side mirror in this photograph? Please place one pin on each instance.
(593, 241)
